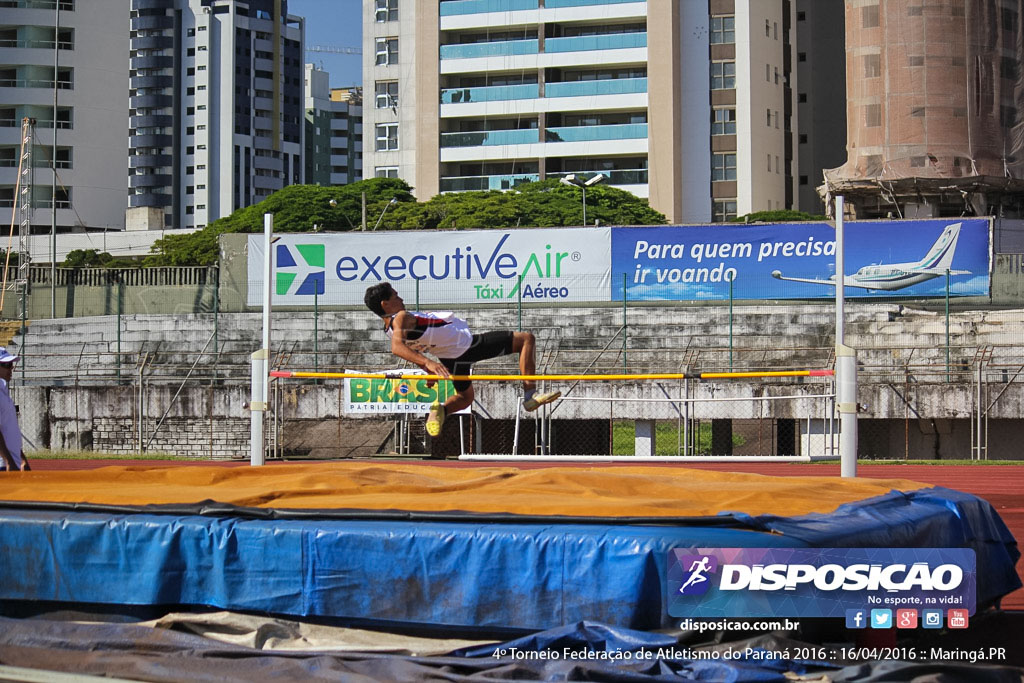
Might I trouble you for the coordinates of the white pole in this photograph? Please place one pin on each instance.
(261, 359)
(268, 290)
(846, 363)
(257, 407)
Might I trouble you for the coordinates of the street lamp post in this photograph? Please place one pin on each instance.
(576, 181)
(394, 200)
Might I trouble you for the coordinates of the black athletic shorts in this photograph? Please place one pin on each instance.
(483, 346)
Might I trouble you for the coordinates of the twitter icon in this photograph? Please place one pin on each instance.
(881, 618)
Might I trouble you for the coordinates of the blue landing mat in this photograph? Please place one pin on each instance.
(467, 573)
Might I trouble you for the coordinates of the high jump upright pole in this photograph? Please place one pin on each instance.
(846, 362)
(261, 358)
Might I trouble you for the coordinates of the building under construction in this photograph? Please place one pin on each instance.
(934, 103)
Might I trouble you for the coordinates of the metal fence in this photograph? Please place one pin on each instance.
(180, 336)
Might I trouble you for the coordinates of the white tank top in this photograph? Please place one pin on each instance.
(440, 334)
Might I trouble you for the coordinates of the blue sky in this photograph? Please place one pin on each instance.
(337, 23)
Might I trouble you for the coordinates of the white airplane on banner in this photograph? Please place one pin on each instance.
(891, 276)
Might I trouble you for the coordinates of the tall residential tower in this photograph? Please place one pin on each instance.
(72, 56)
(692, 104)
(216, 108)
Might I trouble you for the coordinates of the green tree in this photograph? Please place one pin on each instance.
(296, 208)
(311, 208)
(776, 216)
(91, 258)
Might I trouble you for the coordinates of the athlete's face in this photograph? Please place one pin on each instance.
(393, 304)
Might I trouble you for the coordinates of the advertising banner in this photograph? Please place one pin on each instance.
(797, 260)
(820, 582)
(387, 396)
(472, 266)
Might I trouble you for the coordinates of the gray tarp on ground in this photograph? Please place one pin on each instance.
(142, 652)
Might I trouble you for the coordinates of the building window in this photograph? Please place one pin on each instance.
(769, 163)
(723, 75)
(723, 121)
(723, 211)
(769, 121)
(872, 115)
(387, 136)
(387, 51)
(723, 30)
(386, 172)
(386, 10)
(723, 167)
(803, 180)
(869, 17)
(872, 66)
(387, 94)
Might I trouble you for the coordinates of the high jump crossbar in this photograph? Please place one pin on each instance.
(285, 374)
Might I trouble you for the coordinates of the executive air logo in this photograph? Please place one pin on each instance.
(817, 582)
(308, 269)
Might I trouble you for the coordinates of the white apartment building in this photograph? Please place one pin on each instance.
(689, 103)
(333, 136)
(72, 55)
(216, 108)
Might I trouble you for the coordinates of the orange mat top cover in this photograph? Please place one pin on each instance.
(570, 491)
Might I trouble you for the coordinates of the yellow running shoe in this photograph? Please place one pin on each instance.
(537, 400)
(435, 419)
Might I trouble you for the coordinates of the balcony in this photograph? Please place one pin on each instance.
(518, 136)
(151, 81)
(152, 43)
(502, 48)
(621, 131)
(454, 7)
(152, 62)
(150, 160)
(152, 23)
(486, 182)
(150, 180)
(610, 86)
(152, 4)
(151, 121)
(149, 199)
(34, 83)
(610, 41)
(38, 44)
(633, 176)
(151, 101)
(149, 141)
(493, 93)
(583, 3)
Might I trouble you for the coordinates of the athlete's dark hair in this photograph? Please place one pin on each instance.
(377, 294)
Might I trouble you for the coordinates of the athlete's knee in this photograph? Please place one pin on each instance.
(521, 339)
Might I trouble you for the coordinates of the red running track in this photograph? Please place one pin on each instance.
(1000, 485)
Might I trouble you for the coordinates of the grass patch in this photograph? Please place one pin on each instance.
(96, 455)
(667, 437)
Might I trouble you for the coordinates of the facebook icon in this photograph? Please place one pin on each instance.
(856, 618)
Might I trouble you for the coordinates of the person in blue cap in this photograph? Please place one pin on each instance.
(11, 456)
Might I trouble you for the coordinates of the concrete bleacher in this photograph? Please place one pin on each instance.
(570, 340)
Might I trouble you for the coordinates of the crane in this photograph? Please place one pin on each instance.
(335, 49)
